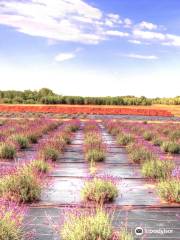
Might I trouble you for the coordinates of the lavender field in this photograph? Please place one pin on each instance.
(89, 179)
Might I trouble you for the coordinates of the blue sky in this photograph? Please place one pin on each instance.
(91, 47)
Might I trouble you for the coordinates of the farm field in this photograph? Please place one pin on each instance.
(58, 177)
(154, 110)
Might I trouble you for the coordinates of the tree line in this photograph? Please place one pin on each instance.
(47, 96)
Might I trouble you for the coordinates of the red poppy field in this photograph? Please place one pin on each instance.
(102, 110)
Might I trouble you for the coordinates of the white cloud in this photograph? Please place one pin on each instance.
(147, 25)
(116, 33)
(64, 20)
(127, 22)
(134, 41)
(143, 57)
(172, 40)
(61, 57)
(78, 21)
(148, 35)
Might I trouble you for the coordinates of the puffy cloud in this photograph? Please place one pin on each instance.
(147, 25)
(65, 20)
(78, 21)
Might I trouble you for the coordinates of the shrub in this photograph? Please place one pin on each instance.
(96, 155)
(124, 139)
(23, 186)
(7, 151)
(41, 166)
(33, 138)
(175, 135)
(99, 190)
(73, 127)
(156, 141)
(48, 153)
(169, 190)
(11, 219)
(138, 154)
(125, 235)
(64, 138)
(160, 169)
(92, 139)
(171, 147)
(148, 136)
(89, 226)
(22, 141)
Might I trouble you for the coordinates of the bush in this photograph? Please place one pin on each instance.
(171, 147)
(11, 218)
(169, 190)
(125, 235)
(7, 151)
(89, 226)
(49, 153)
(41, 166)
(96, 155)
(160, 169)
(175, 135)
(93, 139)
(99, 190)
(124, 139)
(23, 186)
(33, 138)
(156, 141)
(22, 141)
(64, 138)
(138, 154)
(148, 136)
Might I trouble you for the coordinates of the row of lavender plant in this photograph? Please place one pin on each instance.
(23, 184)
(19, 134)
(93, 222)
(94, 148)
(154, 164)
(54, 145)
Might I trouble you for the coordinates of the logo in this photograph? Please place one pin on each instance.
(139, 231)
